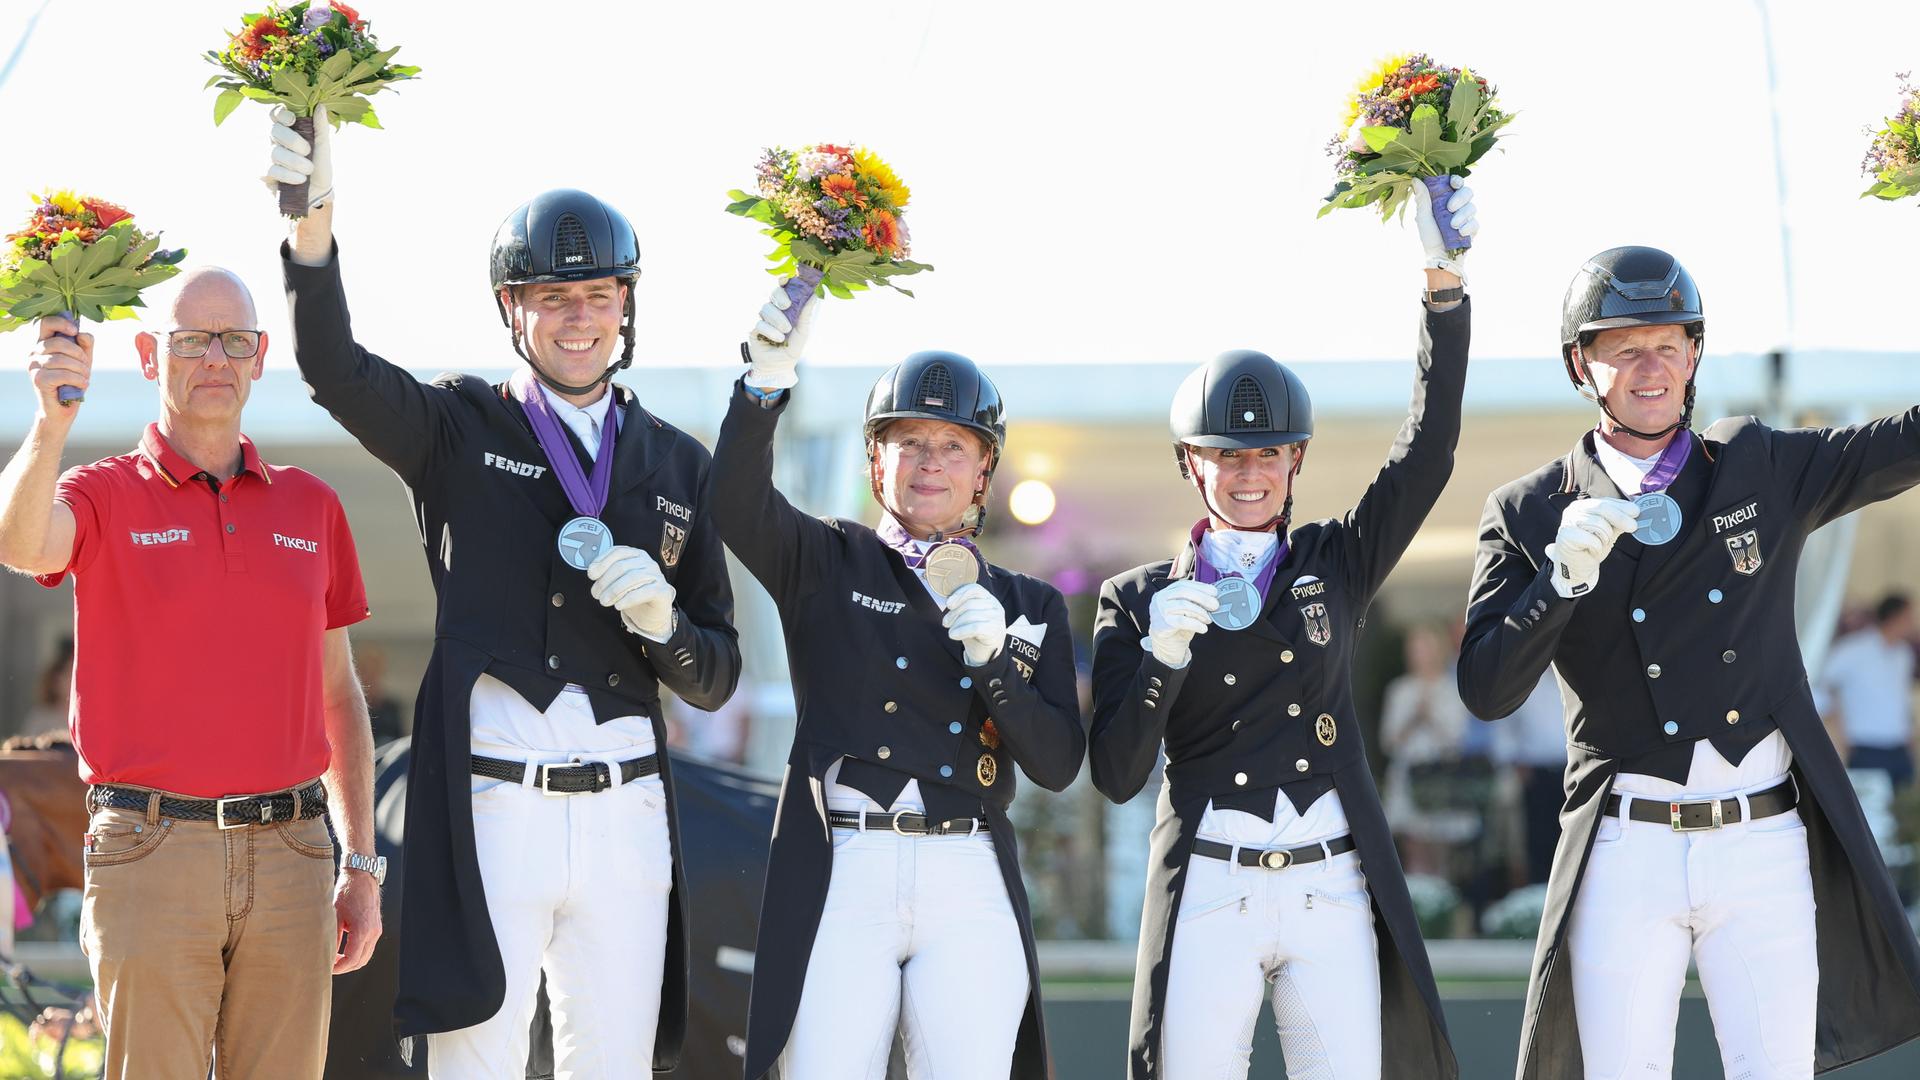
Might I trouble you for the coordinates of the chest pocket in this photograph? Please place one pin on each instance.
(676, 523)
(1025, 653)
(1311, 612)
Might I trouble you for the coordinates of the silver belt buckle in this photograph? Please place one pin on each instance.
(901, 831)
(1673, 816)
(220, 813)
(1276, 860)
(543, 775)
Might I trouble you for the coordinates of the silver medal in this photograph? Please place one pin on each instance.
(1659, 518)
(1239, 603)
(583, 540)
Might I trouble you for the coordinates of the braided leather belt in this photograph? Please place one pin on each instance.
(1278, 859)
(232, 812)
(906, 823)
(567, 777)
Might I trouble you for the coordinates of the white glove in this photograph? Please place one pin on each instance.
(1464, 221)
(1588, 529)
(296, 160)
(776, 344)
(1178, 612)
(628, 580)
(976, 619)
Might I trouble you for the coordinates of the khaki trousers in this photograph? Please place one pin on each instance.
(209, 945)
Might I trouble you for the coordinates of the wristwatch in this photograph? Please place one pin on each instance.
(375, 865)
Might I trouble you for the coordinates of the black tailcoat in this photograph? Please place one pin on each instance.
(1271, 707)
(1698, 633)
(489, 509)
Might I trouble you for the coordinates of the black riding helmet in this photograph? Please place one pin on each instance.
(1241, 400)
(939, 386)
(565, 235)
(1629, 286)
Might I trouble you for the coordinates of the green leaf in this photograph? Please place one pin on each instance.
(336, 65)
(1464, 106)
(224, 105)
(368, 119)
(217, 80)
(1379, 137)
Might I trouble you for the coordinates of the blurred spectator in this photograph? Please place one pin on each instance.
(1867, 683)
(720, 735)
(52, 690)
(1422, 727)
(382, 706)
(1533, 743)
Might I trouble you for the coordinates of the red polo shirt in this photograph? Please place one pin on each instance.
(199, 618)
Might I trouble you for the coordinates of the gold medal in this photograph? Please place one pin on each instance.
(989, 736)
(950, 566)
(987, 770)
(1324, 729)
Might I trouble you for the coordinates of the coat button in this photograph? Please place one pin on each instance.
(558, 600)
(1300, 766)
(891, 706)
(966, 682)
(553, 663)
(1240, 778)
(1293, 709)
(1152, 704)
(1286, 656)
(613, 679)
(1715, 596)
(900, 662)
(1653, 671)
(954, 728)
(886, 752)
(946, 770)
(1229, 679)
(1733, 716)
(1729, 656)
(1153, 680)
(1236, 725)
(1639, 614)
(1670, 728)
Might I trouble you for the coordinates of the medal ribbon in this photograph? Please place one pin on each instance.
(587, 493)
(895, 535)
(1206, 573)
(1667, 469)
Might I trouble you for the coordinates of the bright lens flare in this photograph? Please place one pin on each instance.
(1031, 502)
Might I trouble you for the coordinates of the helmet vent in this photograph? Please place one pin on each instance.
(1247, 406)
(935, 389)
(571, 247)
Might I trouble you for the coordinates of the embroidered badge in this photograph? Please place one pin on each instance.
(1319, 626)
(673, 540)
(1744, 549)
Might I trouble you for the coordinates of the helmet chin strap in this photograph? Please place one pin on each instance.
(1587, 391)
(625, 361)
(1280, 520)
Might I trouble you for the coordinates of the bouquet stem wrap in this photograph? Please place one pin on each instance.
(800, 289)
(293, 197)
(1439, 190)
(69, 395)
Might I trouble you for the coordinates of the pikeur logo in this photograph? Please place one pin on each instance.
(518, 468)
(294, 542)
(1723, 522)
(1301, 592)
(884, 607)
(163, 536)
(666, 505)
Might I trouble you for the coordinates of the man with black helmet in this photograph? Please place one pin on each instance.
(1272, 868)
(577, 572)
(921, 674)
(1707, 816)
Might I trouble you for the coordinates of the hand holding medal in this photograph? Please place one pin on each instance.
(976, 619)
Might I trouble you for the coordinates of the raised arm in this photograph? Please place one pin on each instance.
(37, 530)
(1835, 471)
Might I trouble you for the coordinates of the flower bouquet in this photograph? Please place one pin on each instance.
(1412, 120)
(305, 56)
(834, 213)
(1893, 158)
(81, 257)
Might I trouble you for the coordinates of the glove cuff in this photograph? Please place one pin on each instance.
(1166, 656)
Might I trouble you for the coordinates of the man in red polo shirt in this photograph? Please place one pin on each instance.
(213, 694)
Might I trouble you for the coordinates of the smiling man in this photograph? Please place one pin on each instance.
(215, 707)
(566, 530)
(1707, 815)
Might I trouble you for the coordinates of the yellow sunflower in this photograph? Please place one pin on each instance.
(67, 201)
(1368, 83)
(878, 173)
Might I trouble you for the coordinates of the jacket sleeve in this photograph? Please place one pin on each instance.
(1834, 471)
(407, 424)
(701, 660)
(1132, 694)
(787, 551)
(1040, 720)
(1384, 521)
(1514, 621)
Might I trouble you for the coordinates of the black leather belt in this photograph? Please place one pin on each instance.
(567, 777)
(906, 823)
(232, 812)
(1277, 859)
(1710, 814)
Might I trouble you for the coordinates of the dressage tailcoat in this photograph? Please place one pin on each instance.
(489, 509)
(1271, 708)
(877, 680)
(1698, 634)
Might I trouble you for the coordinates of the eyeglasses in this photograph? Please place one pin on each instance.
(237, 344)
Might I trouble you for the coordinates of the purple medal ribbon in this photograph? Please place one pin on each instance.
(1206, 573)
(1667, 469)
(895, 535)
(587, 493)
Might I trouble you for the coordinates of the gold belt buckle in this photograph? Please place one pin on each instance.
(1276, 860)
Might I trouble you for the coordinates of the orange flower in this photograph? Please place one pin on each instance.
(253, 40)
(882, 233)
(1424, 84)
(841, 189)
(107, 214)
